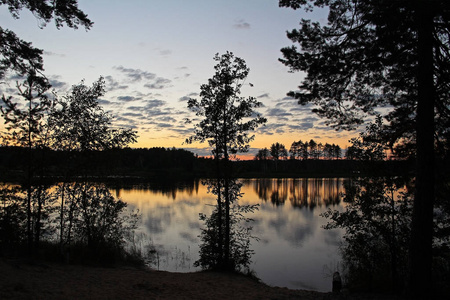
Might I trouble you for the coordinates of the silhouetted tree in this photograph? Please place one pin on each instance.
(377, 53)
(278, 151)
(313, 149)
(20, 56)
(23, 59)
(295, 149)
(227, 119)
(26, 126)
(263, 154)
(79, 126)
(377, 220)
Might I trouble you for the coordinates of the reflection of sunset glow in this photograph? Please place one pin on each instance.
(293, 247)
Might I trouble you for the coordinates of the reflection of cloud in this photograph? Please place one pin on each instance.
(292, 230)
(189, 237)
(158, 220)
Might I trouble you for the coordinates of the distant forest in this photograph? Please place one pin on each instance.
(171, 163)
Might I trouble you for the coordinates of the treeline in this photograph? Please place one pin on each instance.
(141, 162)
(300, 150)
(170, 163)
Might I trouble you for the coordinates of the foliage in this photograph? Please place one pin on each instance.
(263, 154)
(391, 54)
(226, 120)
(240, 235)
(278, 151)
(25, 121)
(99, 219)
(20, 56)
(79, 123)
(376, 220)
(227, 117)
(12, 217)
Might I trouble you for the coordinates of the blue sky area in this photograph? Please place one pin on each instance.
(154, 55)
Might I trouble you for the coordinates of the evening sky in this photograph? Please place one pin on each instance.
(154, 55)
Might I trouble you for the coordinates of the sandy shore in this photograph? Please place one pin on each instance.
(25, 280)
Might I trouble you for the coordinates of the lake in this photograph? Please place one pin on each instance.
(293, 250)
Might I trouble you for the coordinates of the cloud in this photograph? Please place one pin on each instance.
(265, 95)
(103, 102)
(277, 112)
(54, 81)
(132, 115)
(127, 98)
(151, 104)
(49, 53)
(135, 75)
(164, 125)
(241, 24)
(167, 119)
(112, 84)
(160, 83)
(165, 52)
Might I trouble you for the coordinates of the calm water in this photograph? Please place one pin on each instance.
(293, 250)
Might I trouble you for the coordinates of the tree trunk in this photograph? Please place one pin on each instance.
(219, 213)
(420, 277)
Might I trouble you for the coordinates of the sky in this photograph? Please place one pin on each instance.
(155, 55)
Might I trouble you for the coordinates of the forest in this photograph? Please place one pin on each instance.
(384, 64)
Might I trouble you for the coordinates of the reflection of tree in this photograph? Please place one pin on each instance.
(169, 189)
(331, 191)
(262, 187)
(299, 193)
(212, 248)
(279, 191)
(312, 192)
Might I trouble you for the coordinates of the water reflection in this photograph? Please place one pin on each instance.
(301, 192)
(293, 248)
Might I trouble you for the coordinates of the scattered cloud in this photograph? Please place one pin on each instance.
(112, 84)
(135, 75)
(127, 98)
(187, 97)
(56, 84)
(132, 115)
(155, 103)
(165, 52)
(49, 53)
(277, 112)
(159, 83)
(265, 95)
(241, 24)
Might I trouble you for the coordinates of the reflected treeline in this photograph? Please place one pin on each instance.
(166, 188)
(301, 192)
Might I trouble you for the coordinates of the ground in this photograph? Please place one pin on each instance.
(36, 280)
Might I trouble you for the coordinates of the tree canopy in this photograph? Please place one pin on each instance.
(20, 56)
(385, 54)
